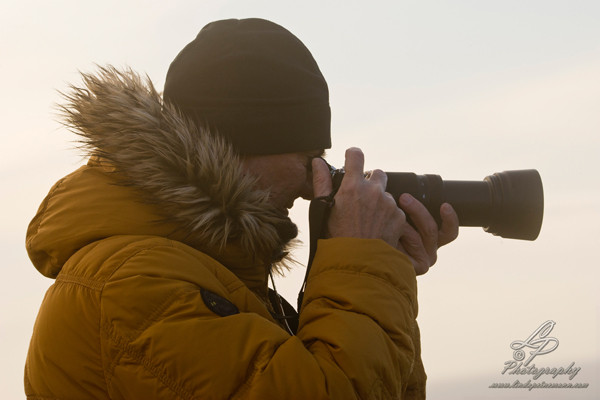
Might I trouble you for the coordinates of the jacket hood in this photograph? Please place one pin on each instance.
(183, 180)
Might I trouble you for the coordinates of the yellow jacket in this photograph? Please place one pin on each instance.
(161, 288)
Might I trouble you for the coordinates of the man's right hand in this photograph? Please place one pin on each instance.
(362, 208)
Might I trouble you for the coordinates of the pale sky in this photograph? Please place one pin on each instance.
(461, 89)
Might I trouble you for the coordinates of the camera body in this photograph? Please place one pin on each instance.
(509, 204)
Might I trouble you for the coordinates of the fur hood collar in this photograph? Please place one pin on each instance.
(191, 174)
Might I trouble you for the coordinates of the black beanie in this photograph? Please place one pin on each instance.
(255, 83)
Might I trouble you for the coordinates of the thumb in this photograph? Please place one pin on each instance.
(321, 178)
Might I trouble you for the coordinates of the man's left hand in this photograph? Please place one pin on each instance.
(421, 244)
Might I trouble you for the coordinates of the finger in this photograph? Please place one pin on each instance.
(449, 230)
(424, 222)
(321, 178)
(354, 164)
(411, 244)
(379, 177)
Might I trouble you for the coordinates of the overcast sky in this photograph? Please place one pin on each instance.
(461, 89)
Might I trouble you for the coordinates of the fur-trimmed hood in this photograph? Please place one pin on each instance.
(189, 177)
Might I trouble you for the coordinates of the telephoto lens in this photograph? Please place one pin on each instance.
(509, 204)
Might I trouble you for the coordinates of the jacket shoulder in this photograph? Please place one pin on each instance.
(120, 257)
(155, 304)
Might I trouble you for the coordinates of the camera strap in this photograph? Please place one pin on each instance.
(318, 214)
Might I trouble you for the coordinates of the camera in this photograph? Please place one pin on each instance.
(509, 204)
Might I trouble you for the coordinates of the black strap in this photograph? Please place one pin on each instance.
(284, 311)
(318, 213)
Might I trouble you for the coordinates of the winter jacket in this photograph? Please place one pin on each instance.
(160, 249)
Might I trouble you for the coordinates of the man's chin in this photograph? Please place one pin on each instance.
(283, 210)
(286, 229)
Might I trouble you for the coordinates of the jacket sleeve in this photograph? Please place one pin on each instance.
(359, 316)
(356, 337)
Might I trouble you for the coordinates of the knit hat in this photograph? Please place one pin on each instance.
(255, 83)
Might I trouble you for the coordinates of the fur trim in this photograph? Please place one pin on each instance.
(191, 173)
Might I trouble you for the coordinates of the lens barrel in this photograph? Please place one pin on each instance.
(509, 204)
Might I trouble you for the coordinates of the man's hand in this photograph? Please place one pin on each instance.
(421, 245)
(363, 209)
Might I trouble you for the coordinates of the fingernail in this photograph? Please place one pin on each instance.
(406, 199)
(446, 209)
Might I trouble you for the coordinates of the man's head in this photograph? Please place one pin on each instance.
(255, 83)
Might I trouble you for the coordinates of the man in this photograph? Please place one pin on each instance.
(161, 246)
